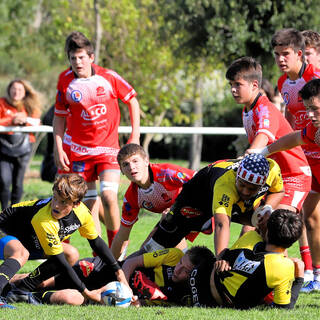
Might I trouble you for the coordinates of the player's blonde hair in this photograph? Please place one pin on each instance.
(70, 187)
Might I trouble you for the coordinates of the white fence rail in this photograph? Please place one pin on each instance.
(160, 130)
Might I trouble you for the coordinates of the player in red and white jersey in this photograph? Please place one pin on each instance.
(91, 94)
(289, 47)
(264, 118)
(264, 124)
(310, 94)
(153, 187)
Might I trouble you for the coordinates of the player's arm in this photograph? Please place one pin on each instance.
(286, 142)
(61, 159)
(121, 240)
(103, 251)
(221, 232)
(131, 264)
(259, 142)
(134, 110)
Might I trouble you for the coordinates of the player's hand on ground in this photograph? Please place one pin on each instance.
(221, 266)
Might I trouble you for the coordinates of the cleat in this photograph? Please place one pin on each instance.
(310, 286)
(4, 304)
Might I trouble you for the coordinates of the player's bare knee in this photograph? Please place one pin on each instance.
(71, 253)
(67, 296)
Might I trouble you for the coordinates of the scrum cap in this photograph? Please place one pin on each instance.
(254, 168)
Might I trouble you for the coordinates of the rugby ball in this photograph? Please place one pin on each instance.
(117, 294)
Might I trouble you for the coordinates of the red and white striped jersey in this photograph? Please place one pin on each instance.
(265, 118)
(94, 109)
(167, 181)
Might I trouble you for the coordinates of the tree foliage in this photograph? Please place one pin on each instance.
(233, 28)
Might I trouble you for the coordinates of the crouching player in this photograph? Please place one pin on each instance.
(43, 225)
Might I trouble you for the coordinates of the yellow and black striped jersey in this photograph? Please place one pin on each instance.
(159, 267)
(252, 268)
(213, 190)
(226, 199)
(32, 223)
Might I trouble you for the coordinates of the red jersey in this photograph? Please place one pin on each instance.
(311, 135)
(289, 90)
(94, 109)
(166, 183)
(265, 118)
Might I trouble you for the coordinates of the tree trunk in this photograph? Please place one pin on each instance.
(196, 139)
(98, 29)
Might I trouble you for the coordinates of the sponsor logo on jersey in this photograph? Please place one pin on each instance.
(35, 273)
(286, 98)
(224, 201)
(194, 290)
(52, 240)
(245, 265)
(36, 242)
(94, 112)
(147, 205)
(301, 117)
(100, 92)
(86, 267)
(182, 177)
(190, 212)
(71, 228)
(159, 253)
(76, 95)
(78, 166)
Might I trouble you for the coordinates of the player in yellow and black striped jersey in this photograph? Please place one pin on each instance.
(38, 228)
(229, 190)
(157, 278)
(251, 268)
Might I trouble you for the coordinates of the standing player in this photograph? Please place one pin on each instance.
(312, 47)
(153, 187)
(288, 46)
(264, 124)
(91, 94)
(310, 94)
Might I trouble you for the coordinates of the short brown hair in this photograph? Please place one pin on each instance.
(290, 38)
(77, 40)
(311, 39)
(129, 150)
(70, 187)
(310, 89)
(246, 68)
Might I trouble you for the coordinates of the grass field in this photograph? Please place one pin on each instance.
(307, 306)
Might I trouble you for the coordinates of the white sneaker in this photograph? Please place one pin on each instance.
(308, 276)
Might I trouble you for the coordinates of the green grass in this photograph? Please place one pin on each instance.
(306, 308)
